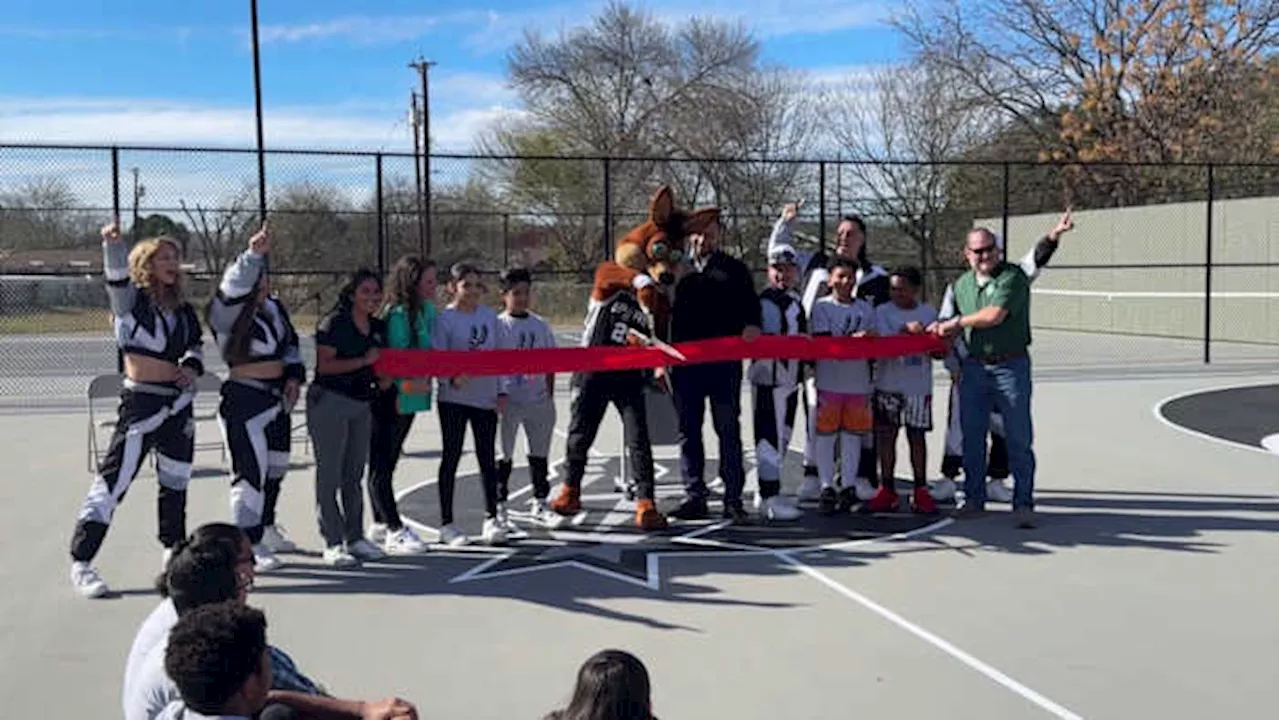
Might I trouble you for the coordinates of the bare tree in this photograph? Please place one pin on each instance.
(220, 232)
(915, 122)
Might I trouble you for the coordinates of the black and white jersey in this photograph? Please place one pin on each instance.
(608, 323)
(273, 336)
(142, 328)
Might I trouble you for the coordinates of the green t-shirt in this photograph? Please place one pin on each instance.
(1008, 288)
(414, 395)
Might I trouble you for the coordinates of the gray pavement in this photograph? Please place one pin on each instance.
(1150, 590)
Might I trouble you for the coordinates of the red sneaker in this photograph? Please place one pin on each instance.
(922, 502)
(569, 502)
(885, 500)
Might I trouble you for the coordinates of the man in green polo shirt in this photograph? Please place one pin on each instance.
(993, 318)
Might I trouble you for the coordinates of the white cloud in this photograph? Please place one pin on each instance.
(359, 29)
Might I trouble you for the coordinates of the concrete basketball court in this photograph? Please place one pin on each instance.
(1149, 589)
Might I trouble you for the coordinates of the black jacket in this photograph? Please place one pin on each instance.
(719, 301)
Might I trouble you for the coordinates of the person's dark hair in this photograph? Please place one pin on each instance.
(203, 574)
(212, 651)
(240, 336)
(910, 273)
(206, 536)
(843, 262)
(402, 287)
(460, 270)
(347, 294)
(512, 277)
(612, 685)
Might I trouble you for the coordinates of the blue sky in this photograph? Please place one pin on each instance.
(334, 71)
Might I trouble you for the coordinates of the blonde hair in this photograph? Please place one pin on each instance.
(140, 271)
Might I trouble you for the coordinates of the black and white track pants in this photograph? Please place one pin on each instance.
(257, 428)
(773, 419)
(150, 417)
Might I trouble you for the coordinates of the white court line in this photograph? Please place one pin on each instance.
(1272, 443)
(1154, 295)
(938, 642)
(1156, 410)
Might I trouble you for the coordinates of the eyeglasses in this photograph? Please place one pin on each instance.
(982, 250)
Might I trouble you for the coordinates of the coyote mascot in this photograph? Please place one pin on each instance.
(630, 304)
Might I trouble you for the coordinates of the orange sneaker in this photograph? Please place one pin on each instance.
(568, 502)
(922, 502)
(647, 516)
(885, 500)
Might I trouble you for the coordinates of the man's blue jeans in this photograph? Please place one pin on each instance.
(720, 385)
(1004, 387)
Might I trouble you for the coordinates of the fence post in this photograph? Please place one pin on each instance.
(115, 215)
(506, 239)
(382, 246)
(1004, 206)
(1208, 266)
(605, 235)
(822, 206)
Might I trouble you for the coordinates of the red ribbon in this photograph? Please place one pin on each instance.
(451, 363)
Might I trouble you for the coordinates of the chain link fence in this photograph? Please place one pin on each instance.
(1169, 263)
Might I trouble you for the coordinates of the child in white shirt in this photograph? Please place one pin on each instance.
(904, 393)
(844, 390)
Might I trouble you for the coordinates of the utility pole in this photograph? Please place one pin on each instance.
(424, 67)
(417, 171)
(257, 106)
(138, 192)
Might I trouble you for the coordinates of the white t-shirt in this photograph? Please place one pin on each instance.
(912, 374)
(154, 633)
(830, 316)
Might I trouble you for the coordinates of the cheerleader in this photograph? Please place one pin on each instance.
(260, 347)
(159, 334)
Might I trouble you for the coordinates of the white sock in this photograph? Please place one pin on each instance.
(850, 455)
(825, 448)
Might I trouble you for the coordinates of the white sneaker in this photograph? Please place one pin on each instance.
(263, 559)
(779, 508)
(453, 537)
(275, 540)
(810, 489)
(493, 533)
(377, 534)
(337, 556)
(404, 542)
(998, 491)
(365, 550)
(540, 512)
(863, 488)
(87, 581)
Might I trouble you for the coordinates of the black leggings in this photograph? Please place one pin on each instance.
(390, 429)
(454, 419)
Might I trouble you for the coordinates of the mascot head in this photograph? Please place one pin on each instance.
(657, 246)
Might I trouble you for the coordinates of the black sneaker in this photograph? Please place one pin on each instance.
(847, 499)
(692, 508)
(827, 501)
(736, 514)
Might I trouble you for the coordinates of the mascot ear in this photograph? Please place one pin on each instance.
(699, 220)
(661, 205)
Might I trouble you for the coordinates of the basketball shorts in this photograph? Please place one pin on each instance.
(896, 410)
(843, 412)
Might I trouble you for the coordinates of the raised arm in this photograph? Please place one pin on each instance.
(121, 292)
(1040, 254)
(238, 283)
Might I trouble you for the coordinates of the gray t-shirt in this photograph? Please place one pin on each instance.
(146, 687)
(832, 317)
(910, 374)
(524, 332)
(475, 330)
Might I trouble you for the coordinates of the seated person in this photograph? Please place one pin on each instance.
(611, 684)
(220, 663)
(217, 566)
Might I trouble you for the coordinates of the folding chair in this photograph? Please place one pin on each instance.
(102, 386)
